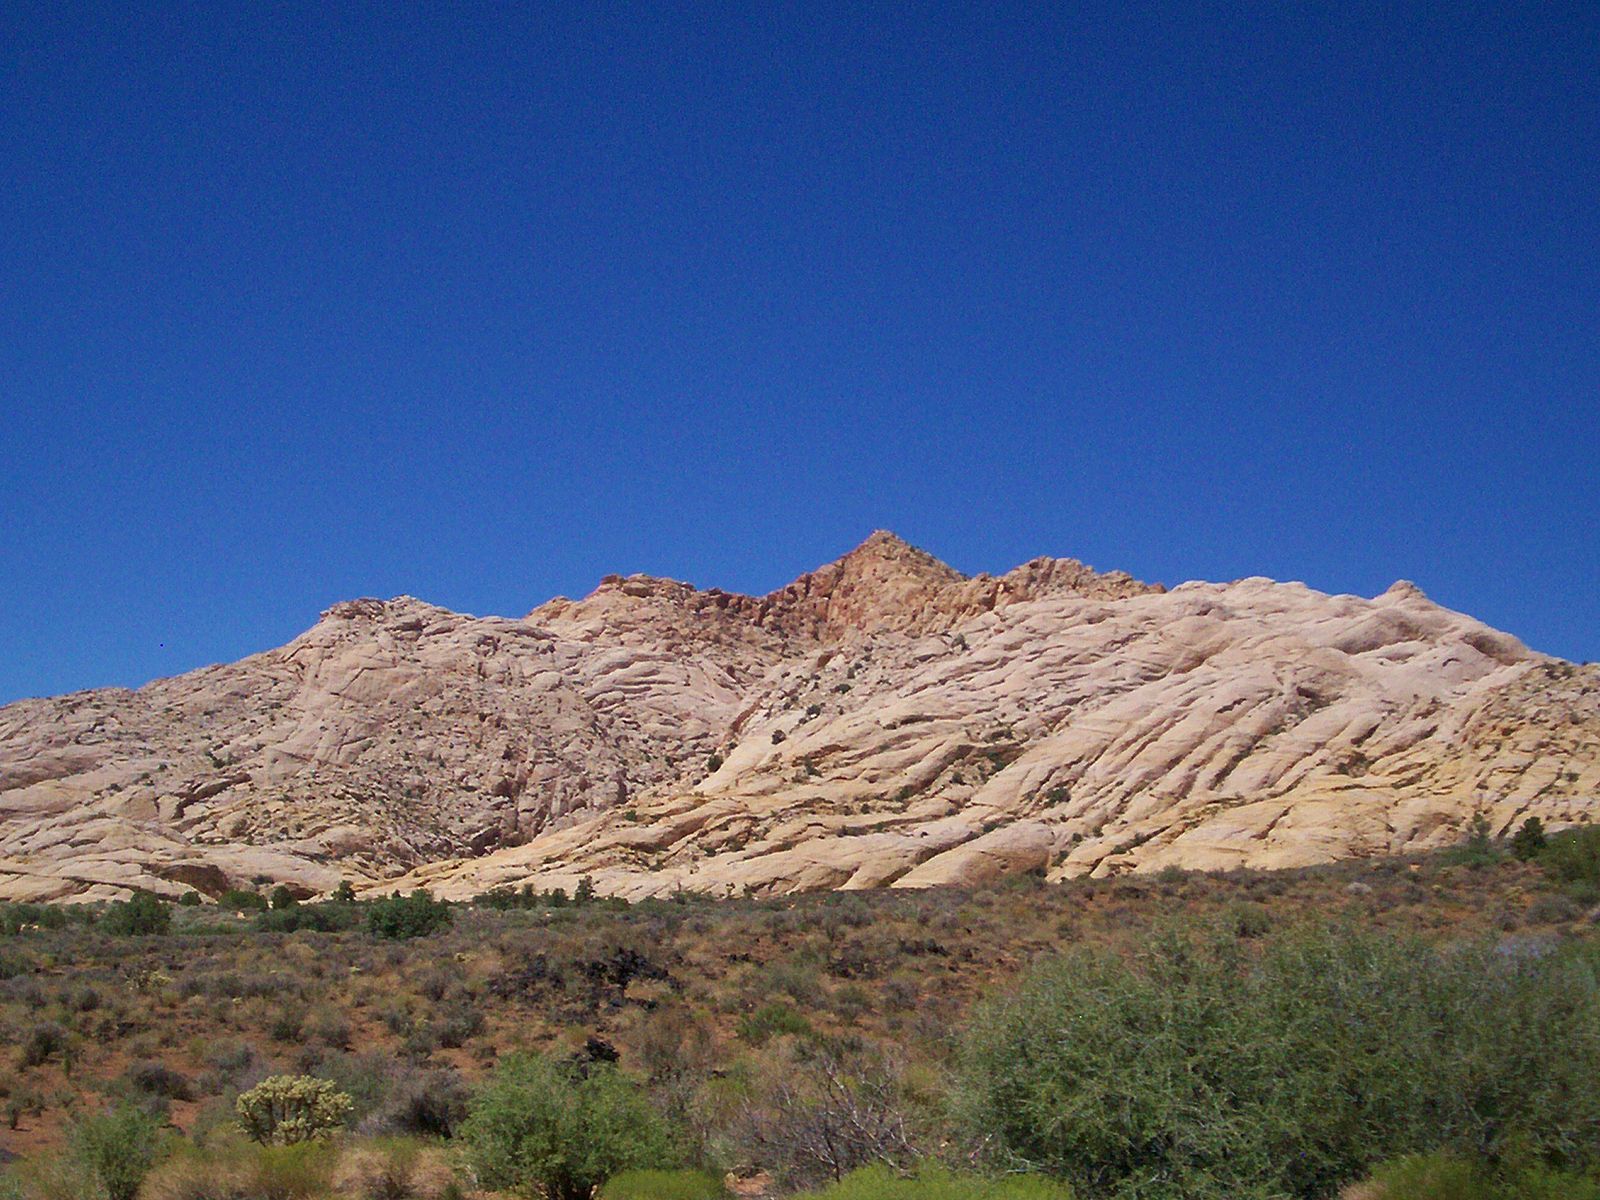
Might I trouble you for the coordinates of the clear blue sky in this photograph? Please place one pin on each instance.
(305, 302)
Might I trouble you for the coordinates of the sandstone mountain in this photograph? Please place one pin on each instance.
(883, 721)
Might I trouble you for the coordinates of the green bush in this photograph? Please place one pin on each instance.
(1478, 850)
(1573, 855)
(15, 918)
(772, 1020)
(1529, 841)
(880, 1183)
(663, 1185)
(410, 916)
(142, 914)
(116, 1149)
(285, 1109)
(1205, 1069)
(325, 917)
(242, 900)
(547, 1128)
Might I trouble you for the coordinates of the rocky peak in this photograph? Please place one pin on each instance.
(884, 583)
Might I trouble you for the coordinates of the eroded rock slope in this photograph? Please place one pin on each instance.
(883, 721)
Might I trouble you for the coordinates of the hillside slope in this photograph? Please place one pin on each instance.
(881, 721)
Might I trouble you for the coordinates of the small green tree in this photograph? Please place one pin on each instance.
(285, 1109)
(117, 1148)
(144, 913)
(1478, 849)
(552, 1129)
(242, 900)
(408, 916)
(345, 893)
(1572, 856)
(585, 891)
(282, 898)
(1528, 840)
(1480, 834)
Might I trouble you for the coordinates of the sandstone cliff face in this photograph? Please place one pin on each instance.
(883, 721)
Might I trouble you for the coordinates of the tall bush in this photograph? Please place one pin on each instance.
(410, 916)
(1211, 1067)
(143, 913)
(541, 1127)
(116, 1149)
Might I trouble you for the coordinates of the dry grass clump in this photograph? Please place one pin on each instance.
(235, 1170)
(395, 1169)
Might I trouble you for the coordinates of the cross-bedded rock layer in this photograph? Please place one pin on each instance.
(881, 721)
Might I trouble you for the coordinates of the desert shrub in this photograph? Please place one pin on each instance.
(456, 1023)
(394, 1169)
(830, 1109)
(240, 1171)
(42, 1042)
(242, 900)
(83, 999)
(330, 1027)
(230, 1057)
(550, 1128)
(797, 980)
(191, 899)
(880, 1183)
(368, 1079)
(143, 914)
(116, 1149)
(1528, 842)
(430, 1103)
(1478, 849)
(157, 1079)
(311, 918)
(1205, 1070)
(410, 916)
(437, 984)
(397, 1018)
(772, 1020)
(19, 918)
(285, 1109)
(1553, 909)
(287, 1024)
(1573, 855)
(663, 1185)
(20, 1102)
